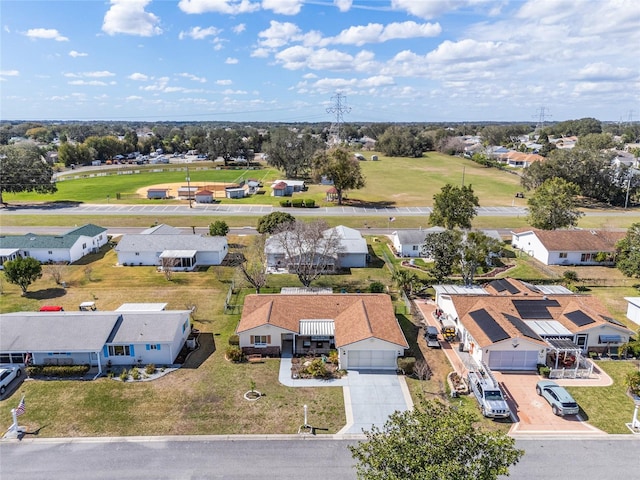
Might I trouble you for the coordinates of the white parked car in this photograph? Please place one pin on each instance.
(7, 374)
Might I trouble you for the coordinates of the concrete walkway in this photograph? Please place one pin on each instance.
(370, 396)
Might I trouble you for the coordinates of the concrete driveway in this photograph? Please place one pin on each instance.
(533, 413)
(370, 396)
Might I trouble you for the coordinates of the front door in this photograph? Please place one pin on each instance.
(581, 341)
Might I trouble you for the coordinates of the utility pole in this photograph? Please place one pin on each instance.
(338, 109)
(541, 115)
(189, 187)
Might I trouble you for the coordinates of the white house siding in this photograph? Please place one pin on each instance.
(210, 258)
(275, 334)
(593, 339)
(371, 353)
(531, 245)
(139, 258)
(633, 309)
(353, 260)
(63, 358)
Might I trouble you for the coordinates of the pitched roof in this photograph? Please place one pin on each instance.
(88, 230)
(66, 240)
(351, 241)
(356, 316)
(161, 242)
(576, 240)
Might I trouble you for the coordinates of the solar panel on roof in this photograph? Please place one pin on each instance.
(501, 285)
(489, 326)
(522, 327)
(579, 318)
(613, 320)
(535, 309)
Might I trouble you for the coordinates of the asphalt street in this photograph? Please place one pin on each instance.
(280, 457)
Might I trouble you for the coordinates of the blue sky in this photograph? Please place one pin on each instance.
(284, 60)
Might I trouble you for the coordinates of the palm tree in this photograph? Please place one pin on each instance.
(405, 280)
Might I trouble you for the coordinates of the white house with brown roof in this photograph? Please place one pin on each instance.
(567, 247)
(513, 325)
(362, 327)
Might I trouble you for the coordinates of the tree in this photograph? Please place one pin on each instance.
(291, 152)
(400, 142)
(22, 271)
(454, 207)
(442, 249)
(226, 144)
(434, 441)
(219, 228)
(628, 252)
(405, 279)
(22, 169)
(77, 154)
(310, 249)
(254, 266)
(339, 165)
(553, 205)
(272, 222)
(475, 250)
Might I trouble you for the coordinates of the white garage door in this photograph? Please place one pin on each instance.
(516, 360)
(372, 359)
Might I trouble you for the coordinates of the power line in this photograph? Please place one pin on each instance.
(338, 109)
(541, 115)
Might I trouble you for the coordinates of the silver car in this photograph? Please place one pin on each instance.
(562, 403)
(7, 374)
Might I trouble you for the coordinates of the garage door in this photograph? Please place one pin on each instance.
(372, 359)
(507, 360)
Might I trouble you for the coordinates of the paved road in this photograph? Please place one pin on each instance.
(280, 457)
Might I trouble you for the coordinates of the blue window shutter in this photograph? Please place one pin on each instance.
(105, 351)
(148, 347)
(133, 350)
(158, 346)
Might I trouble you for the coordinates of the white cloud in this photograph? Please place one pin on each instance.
(231, 61)
(239, 28)
(279, 34)
(343, 5)
(9, 73)
(603, 71)
(431, 9)
(75, 54)
(193, 77)
(139, 77)
(283, 7)
(224, 82)
(234, 92)
(198, 33)
(376, 33)
(99, 74)
(46, 34)
(133, 98)
(297, 57)
(129, 17)
(230, 7)
(92, 83)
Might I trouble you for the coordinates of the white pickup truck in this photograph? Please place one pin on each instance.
(489, 395)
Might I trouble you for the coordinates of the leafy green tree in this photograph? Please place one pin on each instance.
(401, 142)
(405, 279)
(22, 169)
(342, 168)
(475, 250)
(628, 252)
(227, 144)
(77, 154)
(434, 441)
(454, 207)
(442, 248)
(272, 222)
(291, 152)
(553, 205)
(219, 228)
(22, 271)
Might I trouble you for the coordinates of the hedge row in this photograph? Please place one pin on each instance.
(298, 203)
(58, 371)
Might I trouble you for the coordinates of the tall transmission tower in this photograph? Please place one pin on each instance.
(541, 115)
(338, 108)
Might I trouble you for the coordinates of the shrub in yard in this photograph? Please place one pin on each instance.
(632, 382)
(376, 287)
(234, 340)
(135, 374)
(334, 357)
(150, 369)
(316, 368)
(297, 202)
(234, 353)
(544, 371)
(124, 375)
(58, 371)
(285, 203)
(309, 203)
(407, 364)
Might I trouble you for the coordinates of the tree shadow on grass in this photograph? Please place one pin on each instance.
(46, 294)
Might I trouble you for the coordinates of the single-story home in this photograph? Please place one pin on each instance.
(169, 247)
(567, 247)
(633, 309)
(352, 252)
(66, 248)
(513, 325)
(408, 242)
(235, 192)
(362, 327)
(94, 337)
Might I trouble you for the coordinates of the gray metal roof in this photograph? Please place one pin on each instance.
(416, 236)
(161, 242)
(55, 332)
(460, 290)
(149, 326)
(141, 307)
(162, 229)
(317, 327)
(88, 230)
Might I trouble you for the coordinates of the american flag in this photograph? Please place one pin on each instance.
(392, 219)
(21, 408)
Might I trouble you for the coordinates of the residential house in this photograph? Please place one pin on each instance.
(567, 247)
(66, 248)
(512, 325)
(633, 309)
(352, 252)
(519, 159)
(168, 246)
(362, 327)
(94, 337)
(409, 242)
